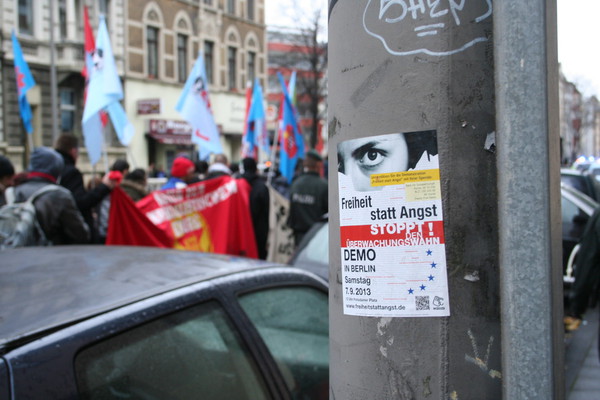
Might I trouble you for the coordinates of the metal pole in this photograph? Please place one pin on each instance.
(529, 199)
(53, 83)
(413, 68)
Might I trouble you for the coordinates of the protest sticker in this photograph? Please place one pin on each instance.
(392, 226)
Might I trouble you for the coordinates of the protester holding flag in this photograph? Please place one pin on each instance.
(308, 197)
(72, 179)
(194, 106)
(24, 83)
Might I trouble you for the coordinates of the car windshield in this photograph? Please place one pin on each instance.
(581, 197)
(317, 250)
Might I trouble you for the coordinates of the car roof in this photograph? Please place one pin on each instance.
(582, 200)
(42, 288)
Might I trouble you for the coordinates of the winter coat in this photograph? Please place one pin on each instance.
(56, 211)
(259, 210)
(308, 202)
(86, 200)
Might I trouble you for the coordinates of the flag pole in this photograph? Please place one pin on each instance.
(53, 86)
(104, 155)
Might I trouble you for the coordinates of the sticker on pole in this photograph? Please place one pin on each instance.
(392, 227)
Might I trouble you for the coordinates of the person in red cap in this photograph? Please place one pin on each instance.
(182, 173)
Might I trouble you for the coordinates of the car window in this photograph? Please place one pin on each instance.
(192, 354)
(317, 250)
(573, 218)
(294, 324)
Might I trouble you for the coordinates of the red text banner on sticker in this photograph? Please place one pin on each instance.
(391, 234)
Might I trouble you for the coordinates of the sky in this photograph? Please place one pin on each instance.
(578, 25)
(579, 43)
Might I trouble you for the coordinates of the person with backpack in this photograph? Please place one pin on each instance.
(57, 214)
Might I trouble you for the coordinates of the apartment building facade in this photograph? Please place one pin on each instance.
(155, 43)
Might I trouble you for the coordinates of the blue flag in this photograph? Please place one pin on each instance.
(194, 106)
(24, 83)
(104, 93)
(256, 133)
(291, 141)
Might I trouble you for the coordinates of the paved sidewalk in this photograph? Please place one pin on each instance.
(582, 365)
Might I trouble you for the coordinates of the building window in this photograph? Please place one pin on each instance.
(251, 66)
(209, 48)
(250, 4)
(67, 110)
(26, 17)
(152, 44)
(232, 67)
(208, 2)
(182, 57)
(62, 18)
(231, 6)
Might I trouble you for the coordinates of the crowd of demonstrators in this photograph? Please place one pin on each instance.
(56, 210)
(79, 214)
(7, 173)
(68, 147)
(308, 196)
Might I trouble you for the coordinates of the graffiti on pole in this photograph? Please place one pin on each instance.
(407, 27)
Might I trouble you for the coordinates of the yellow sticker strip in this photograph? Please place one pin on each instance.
(399, 178)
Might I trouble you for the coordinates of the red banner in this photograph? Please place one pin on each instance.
(210, 216)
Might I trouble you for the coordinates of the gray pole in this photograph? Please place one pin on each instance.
(529, 199)
(53, 83)
(417, 67)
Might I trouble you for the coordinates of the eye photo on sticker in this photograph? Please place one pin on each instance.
(360, 158)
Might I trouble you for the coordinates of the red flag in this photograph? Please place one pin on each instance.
(127, 225)
(211, 216)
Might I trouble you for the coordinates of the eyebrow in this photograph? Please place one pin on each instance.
(364, 148)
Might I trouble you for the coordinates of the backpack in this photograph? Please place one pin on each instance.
(19, 226)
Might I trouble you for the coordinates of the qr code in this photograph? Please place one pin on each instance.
(422, 302)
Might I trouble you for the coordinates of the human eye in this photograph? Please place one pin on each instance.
(370, 156)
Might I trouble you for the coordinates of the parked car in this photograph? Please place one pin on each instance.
(583, 181)
(576, 208)
(104, 322)
(312, 253)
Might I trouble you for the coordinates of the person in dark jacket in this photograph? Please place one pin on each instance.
(56, 211)
(7, 172)
(586, 272)
(308, 197)
(259, 205)
(72, 179)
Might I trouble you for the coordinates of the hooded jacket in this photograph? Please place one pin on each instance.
(56, 210)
